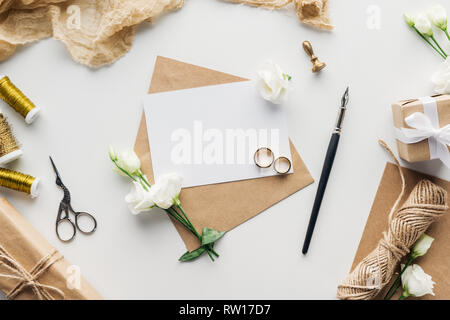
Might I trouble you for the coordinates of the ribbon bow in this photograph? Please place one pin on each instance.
(423, 128)
(29, 279)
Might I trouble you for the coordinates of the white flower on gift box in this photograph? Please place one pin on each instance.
(423, 24)
(416, 283)
(128, 161)
(438, 16)
(421, 246)
(273, 84)
(441, 78)
(164, 193)
(139, 200)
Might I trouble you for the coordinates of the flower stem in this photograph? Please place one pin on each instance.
(209, 254)
(403, 296)
(178, 218)
(190, 227)
(187, 219)
(141, 176)
(213, 251)
(428, 41)
(396, 283)
(124, 171)
(446, 33)
(435, 41)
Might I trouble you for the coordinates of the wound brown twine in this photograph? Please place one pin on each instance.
(9, 148)
(426, 203)
(29, 279)
(312, 12)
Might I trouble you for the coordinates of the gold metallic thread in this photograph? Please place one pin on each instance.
(16, 180)
(14, 97)
(8, 142)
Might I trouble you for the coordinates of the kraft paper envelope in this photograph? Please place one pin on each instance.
(437, 260)
(226, 205)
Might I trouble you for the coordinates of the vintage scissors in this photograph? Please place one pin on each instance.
(63, 213)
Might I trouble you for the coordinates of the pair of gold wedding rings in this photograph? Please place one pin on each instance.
(264, 158)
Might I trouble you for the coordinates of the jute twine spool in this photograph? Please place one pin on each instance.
(426, 203)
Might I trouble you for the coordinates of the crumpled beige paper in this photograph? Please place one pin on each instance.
(312, 12)
(98, 32)
(94, 32)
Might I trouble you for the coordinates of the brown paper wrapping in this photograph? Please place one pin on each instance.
(226, 205)
(420, 151)
(27, 246)
(437, 260)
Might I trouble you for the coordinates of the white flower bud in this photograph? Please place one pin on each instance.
(438, 16)
(128, 161)
(423, 25)
(421, 246)
(409, 19)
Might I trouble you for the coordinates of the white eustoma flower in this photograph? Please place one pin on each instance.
(421, 246)
(139, 200)
(409, 19)
(273, 84)
(416, 282)
(423, 24)
(128, 161)
(438, 16)
(441, 78)
(166, 190)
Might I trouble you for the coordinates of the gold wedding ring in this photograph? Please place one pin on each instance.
(263, 157)
(282, 165)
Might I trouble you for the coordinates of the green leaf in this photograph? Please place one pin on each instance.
(210, 235)
(189, 256)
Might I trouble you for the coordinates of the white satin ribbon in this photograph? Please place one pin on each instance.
(426, 126)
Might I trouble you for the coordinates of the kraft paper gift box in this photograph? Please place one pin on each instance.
(437, 110)
(30, 268)
(221, 206)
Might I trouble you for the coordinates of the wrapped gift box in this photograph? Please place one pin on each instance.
(30, 268)
(436, 107)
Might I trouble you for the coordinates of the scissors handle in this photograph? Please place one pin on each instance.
(60, 223)
(92, 225)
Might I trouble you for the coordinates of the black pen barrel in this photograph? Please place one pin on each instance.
(328, 164)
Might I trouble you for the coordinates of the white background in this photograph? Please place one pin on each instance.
(84, 110)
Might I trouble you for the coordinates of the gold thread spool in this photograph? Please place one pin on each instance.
(19, 182)
(9, 147)
(17, 100)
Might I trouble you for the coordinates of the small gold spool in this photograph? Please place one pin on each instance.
(19, 182)
(17, 100)
(9, 147)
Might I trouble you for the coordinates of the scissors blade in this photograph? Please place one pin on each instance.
(54, 168)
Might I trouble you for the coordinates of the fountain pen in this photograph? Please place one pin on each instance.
(328, 164)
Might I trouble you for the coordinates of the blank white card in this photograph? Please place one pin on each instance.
(209, 135)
